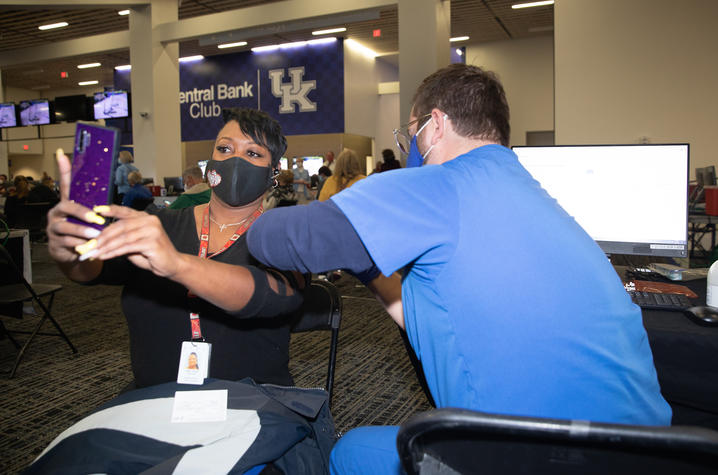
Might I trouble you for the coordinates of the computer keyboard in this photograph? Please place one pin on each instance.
(658, 301)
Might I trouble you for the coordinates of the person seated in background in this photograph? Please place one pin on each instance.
(137, 190)
(16, 198)
(322, 174)
(283, 194)
(347, 171)
(390, 161)
(508, 303)
(43, 192)
(3, 184)
(124, 168)
(196, 191)
(187, 273)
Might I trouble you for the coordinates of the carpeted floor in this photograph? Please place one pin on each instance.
(374, 380)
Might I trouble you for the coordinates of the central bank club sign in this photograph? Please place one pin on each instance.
(302, 87)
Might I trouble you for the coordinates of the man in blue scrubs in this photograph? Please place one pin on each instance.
(510, 306)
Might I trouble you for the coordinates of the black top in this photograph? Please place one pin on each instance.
(157, 312)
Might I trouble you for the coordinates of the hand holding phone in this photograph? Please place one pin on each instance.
(93, 167)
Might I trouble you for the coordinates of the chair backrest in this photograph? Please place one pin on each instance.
(10, 274)
(321, 310)
(141, 203)
(451, 441)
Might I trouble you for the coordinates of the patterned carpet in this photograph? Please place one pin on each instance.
(374, 380)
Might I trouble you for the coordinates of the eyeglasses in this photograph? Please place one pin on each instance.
(402, 136)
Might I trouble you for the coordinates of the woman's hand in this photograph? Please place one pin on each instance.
(140, 237)
(62, 235)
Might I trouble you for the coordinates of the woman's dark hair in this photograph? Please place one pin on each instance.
(388, 154)
(324, 170)
(261, 128)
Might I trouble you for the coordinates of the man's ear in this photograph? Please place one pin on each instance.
(438, 123)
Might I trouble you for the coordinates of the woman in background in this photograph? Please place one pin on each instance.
(347, 171)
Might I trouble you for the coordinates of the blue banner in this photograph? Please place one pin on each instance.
(302, 87)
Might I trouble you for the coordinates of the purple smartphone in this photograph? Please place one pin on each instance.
(93, 167)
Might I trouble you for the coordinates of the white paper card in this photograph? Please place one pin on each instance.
(194, 362)
(200, 406)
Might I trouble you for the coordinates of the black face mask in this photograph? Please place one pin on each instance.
(236, 181)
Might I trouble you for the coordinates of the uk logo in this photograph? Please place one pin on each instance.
(294, 93)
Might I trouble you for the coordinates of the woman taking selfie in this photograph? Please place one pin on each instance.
(187, 273)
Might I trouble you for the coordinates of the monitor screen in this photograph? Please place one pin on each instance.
(111, 104)
(71, 108)
(631, 199)
(35, 112)
(8, 115)
(173, 185)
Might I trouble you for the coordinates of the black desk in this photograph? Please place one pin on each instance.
(686, 359)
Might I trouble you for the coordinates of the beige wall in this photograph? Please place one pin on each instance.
(525, 68)
(629, 70)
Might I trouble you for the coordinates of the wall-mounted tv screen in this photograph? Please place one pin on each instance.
(8, 115)
(111, 104)
(72, 108)
(35, 112)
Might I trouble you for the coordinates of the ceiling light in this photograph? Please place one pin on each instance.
(188, 59)
(356, 46)
(532, 4)
(458, 38)
(329, 31)
(124, 67)
(88, 65)
(295, 44)
(87, 83)
(53, 25)
(232, 45)
(459, 52)
(123, 12)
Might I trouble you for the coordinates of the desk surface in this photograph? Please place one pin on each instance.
(686, 358)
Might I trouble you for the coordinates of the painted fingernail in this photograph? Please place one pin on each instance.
(91, 233)
(59, 152)
(91, 217)
(82, 249)
(102, 209)
(88, 255)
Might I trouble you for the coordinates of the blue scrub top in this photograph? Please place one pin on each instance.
(511, 307)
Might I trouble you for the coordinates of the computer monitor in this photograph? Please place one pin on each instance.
(173, 185)
(8, 115)
(35, 112)
(72, 108)
(110, 105)
(631, 199)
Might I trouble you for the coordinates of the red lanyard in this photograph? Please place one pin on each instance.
(204, 245)
(204, 235)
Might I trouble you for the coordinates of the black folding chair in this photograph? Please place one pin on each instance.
(450, 441)
(322, 310)
(14, 292)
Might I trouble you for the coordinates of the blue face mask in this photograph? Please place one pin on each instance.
(415, 158)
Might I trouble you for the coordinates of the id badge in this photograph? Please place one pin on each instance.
(194, 362)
